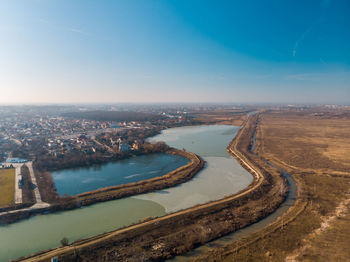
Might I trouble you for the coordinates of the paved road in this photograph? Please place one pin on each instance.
(105, 146)
(18, 190)
(36, 189)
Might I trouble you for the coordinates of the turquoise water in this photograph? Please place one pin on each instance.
(76, 181)
(222, 176)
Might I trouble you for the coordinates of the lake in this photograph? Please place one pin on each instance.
(134, 169)
(221, 176)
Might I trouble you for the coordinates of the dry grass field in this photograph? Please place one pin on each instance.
(315, 149)
(7, 187)
(224, 117)
(330, 241)
(306, 141)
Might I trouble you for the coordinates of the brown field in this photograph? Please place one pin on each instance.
(224, 117)
(315, 148)
(7, 187)
(305, 141)
(325, 242)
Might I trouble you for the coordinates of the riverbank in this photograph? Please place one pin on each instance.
(314, 228)
(173, 178)
(179, 232)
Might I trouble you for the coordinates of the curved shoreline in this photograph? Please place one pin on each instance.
(267, 185)
(284, 239)
(251, 233)
(175, 177)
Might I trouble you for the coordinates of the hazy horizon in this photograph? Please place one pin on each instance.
(148, 51)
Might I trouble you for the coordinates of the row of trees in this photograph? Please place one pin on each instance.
(79, 159)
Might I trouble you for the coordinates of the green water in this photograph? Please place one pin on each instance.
(222, 176)
(45, 231)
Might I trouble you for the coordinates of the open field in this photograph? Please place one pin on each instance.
(306, 141)
(315, 150)
(324, 242)
(223, 117)
(7, 187)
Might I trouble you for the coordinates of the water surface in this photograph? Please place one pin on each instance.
(45, 231)
(255, 227)
(222, 176)
(134, 169)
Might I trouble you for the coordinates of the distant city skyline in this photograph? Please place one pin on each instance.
(145, 51)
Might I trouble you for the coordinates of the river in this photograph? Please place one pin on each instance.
(221, 176)
(255, 227)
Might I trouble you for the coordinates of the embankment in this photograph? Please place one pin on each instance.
(173, 234)
(180, 175)
(293, 141)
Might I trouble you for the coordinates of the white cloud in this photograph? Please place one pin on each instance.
(78, 31)
(301, 38)
(59, 27)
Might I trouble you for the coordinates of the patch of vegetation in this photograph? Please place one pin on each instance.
(27, 186)
(7, 187)
(322, 194)
(64, 241)
(117, 116)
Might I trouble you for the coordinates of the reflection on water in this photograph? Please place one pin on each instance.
(79, 180)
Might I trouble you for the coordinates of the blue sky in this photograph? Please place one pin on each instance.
(85, 51)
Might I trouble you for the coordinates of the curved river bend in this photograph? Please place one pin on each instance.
(222, 241)
(222, 176)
